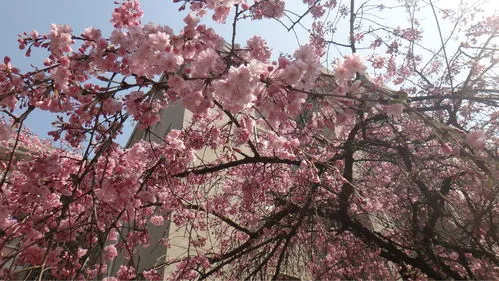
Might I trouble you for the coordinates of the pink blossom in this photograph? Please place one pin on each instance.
(258, 49)
(394, 110)
(127, 14)
(236, 92)
(294, 72)
(110, 252)
(378, 62)
(317, 11)
(476, 139)
(176, 83)
(303, 71)
(60, 39)
(347, 68)
(191, 20)
(9, 101)
(92, 33)
(158, 40)
(411, 34)
(221, 13)
(454, 255)
(446, 148)
(151, 274)
(268, 9)
(81, 252)
(157, 220)
(194, 101)
(207, 61)
(355, 63)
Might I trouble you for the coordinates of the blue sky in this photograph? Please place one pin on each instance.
(26, 15)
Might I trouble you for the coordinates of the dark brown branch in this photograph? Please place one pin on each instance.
(249, 160)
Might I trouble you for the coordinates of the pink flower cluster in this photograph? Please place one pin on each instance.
(146, 50)
(60, 39)
(348, 67)
(10, 83)
(128, 14)
(258, 49)
(274, 155)
(238, 91)
(268, 9)
(476, 139)
(140, 107)
(286, 79)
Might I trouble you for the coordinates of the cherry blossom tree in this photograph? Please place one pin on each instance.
(378, 163)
